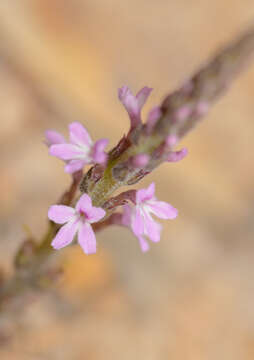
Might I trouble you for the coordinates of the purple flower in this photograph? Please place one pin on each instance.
(133, 104)
(139, 216)
(79, 151)
(76, 220)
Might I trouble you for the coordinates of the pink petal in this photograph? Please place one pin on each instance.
(137, 223)
(95, 214)
(162, 209)
(152, 228)
(84, 204)
(142, 96)
(74, 165)
(86, 239)
(54, 137)
(143, 243)
(177, 155)
(79, 135)
(99, 155)
(65, 151)
(128, 100)
(130, 103)
(60, 214)
(65, 235)
(145, 194)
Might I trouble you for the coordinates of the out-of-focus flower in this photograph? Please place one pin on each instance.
(139, 218)
(76, 220)
(133, 104)
(175, 156)
(80, 151)
(152, 118)
(140, 160)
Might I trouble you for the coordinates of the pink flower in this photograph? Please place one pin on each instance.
(133, 104)
(76, 220)
(139, 216)
(79, 151)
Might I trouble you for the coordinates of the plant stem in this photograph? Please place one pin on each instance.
(181, 111)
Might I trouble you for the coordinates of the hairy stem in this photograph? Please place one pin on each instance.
(181, 111)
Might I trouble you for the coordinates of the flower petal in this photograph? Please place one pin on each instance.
(137, 222)
(74, 165)
(142, 96)
(95, 214)
(143, 243)
(60, 214)
(65, 235)
(145, 194)
(99, 156)
(175, 156)
(86, 239)
(130, 102)
(84, 204)
(79, 135)
(66, 151)
(54, 137)
(162, 209)
(152, 228)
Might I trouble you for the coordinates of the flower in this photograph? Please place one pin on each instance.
(139, 217)
(76, 220)
(133, 104)
(79, 151)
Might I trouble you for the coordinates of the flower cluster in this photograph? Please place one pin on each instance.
(137, 210)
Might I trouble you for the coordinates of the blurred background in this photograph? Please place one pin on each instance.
(192, 295)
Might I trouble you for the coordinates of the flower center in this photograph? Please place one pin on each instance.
(83, 215)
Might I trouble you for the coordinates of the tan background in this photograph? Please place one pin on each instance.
(192, 295)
